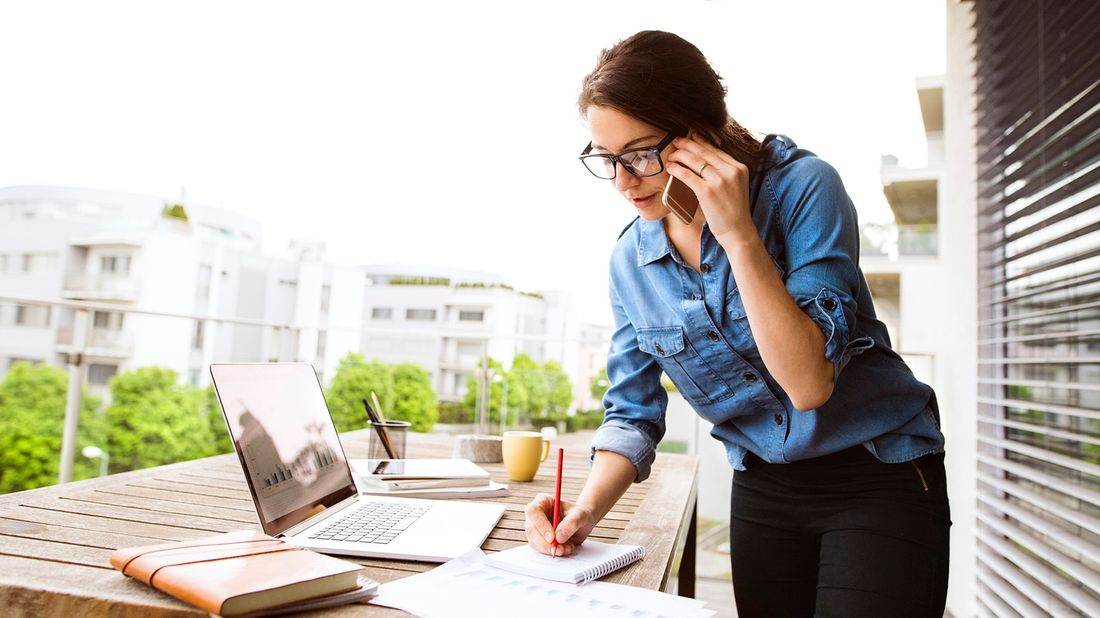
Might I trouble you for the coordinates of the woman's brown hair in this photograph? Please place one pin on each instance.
(661, 79)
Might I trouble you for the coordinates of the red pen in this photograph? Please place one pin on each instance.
(557, 506)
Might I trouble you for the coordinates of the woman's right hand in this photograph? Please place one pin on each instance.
(575, 525)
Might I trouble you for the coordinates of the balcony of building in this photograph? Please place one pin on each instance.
(111, 287)
(893, 241)
(102, 343)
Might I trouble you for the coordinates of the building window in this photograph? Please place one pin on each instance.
(100, 374)
(107, 320)
(326, 297)
(202, 290)
(39, 262)
(381, 313)
(471, 316)
(322, 340)
(420, 315)
(469, 353)
(114, 264)
(197, 336)
(3, 264)
(35, 316)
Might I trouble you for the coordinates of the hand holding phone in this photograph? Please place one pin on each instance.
(680, 199)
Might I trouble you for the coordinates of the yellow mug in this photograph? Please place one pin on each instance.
(523, 452)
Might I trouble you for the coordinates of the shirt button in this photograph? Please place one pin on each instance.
(713, 336)
(778, 419)
(659, 350)
(705, 268)
(829, 304)
(750, 376)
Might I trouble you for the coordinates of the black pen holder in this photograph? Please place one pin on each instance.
(394, 432)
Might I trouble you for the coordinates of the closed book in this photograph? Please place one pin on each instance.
(590, 560)
(238, 573)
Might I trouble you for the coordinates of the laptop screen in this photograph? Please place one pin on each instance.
(285, 439)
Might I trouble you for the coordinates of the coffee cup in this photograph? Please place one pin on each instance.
(523, 451)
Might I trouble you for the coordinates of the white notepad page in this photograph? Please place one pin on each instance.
(590, 560)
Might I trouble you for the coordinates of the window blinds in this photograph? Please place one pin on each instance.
(1038, 111)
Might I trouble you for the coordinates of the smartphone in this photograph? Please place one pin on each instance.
(680, 199)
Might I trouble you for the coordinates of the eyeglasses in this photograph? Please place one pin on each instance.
(640, 162)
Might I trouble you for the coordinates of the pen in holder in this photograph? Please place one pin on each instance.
(387, 439)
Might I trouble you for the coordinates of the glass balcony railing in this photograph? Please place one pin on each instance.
(101, 286)
(899, 240)
(915, 240)
(101, 342)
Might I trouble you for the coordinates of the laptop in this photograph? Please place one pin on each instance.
(303, 487)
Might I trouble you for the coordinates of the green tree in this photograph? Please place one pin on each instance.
(353, 382)
(527, 380)
(155, 420)
(32, 418)
(222, 443)
(496, 394)
(559, 390)
(415, 400)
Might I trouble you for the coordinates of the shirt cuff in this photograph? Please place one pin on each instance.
(828, 313)
(630, 442)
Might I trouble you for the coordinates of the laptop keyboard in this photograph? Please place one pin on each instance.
(374, 522)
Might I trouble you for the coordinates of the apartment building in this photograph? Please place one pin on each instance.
(141, 265)
(902, 261)
(121, 252)
(447, 319)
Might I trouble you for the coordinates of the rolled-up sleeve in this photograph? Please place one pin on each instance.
(821, 251)
(635, 402)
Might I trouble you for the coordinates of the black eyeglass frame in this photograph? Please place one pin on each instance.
(616, 159)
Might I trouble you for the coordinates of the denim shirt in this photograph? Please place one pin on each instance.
(691, 325)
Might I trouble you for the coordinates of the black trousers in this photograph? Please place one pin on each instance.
(840, 535)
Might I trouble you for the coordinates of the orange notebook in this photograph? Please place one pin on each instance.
(237, 573)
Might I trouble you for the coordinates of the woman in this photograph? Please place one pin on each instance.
(758, 312)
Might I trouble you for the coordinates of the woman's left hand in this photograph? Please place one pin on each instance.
(720, 182)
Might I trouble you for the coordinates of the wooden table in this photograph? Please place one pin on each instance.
(55, 541)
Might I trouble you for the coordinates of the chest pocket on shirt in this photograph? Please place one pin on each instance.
(679, 361)
(742, 339)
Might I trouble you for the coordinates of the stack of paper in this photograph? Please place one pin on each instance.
(467, 586)
(425, 478)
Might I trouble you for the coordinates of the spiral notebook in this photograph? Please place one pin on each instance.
(590, 560)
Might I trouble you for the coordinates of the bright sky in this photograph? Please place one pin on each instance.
(433, 133)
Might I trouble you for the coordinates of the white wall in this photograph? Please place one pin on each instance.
(167, 268)
(345, 312)
(682, 424)
(307, 305)
(958, 381)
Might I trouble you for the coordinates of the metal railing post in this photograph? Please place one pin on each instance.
(75, 361)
